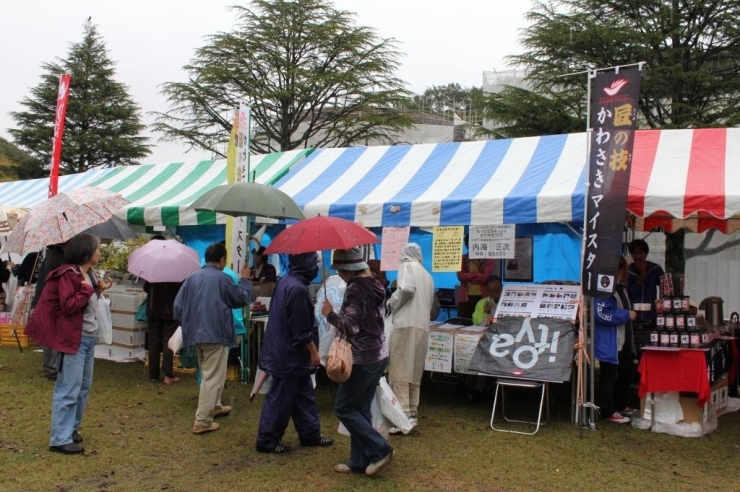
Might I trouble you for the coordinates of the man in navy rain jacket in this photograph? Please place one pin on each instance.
(290, 355)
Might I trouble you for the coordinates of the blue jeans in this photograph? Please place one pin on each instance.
(70, 392)
(352, 408)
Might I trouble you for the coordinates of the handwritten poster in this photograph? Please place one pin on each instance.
(439, 351)
(394, 239)
(447, 248)
(492, 241)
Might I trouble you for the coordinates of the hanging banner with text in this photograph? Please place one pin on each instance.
(56, 143)
(614, 111)
(540, 349)
(237, 155)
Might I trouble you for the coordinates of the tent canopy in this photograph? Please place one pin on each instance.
(159, 193)
(518, 181)
(686, 178)
(676, 174)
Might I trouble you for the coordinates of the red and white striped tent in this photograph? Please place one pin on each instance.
(686, 178)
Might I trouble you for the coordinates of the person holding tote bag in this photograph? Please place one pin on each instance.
(360, 319)
(65, 320)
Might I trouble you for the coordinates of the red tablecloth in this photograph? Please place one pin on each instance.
(682, 370)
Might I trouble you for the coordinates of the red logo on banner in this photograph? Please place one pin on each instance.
(615, 87)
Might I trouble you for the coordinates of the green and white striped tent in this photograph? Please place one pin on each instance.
(160, 194)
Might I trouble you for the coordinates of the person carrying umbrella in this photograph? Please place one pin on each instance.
(160, 297)
(410, 306)
(290, 355)
(203, 308)
(361, 320)
(70, 298)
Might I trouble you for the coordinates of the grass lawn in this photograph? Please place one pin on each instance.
(137, 437)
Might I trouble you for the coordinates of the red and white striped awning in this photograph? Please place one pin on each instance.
(686, 178)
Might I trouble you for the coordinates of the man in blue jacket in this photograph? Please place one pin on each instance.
(290, 355)
(203, 308)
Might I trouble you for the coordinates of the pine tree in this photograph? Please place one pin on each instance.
(103, 125)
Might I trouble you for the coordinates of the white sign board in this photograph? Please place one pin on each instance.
(492, 241)
(536, 301)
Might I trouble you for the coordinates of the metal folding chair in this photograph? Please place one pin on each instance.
(502, 384)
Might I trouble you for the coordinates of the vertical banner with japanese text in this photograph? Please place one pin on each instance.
(56, 143)
(237, 236)
(613, 115)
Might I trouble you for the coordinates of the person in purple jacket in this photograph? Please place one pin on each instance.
(614, 349)
(290, 355)
(361, 320)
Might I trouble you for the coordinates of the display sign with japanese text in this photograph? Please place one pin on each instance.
(439, 351)
(491, 241)
(447, 248)
(541, 300)
(613, 115)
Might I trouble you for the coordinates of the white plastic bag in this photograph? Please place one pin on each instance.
(335, 288)
(175, 342)
(105, 321)
(391, 408)
(380, 422)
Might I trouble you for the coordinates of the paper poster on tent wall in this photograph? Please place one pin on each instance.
(447, 248)
(492, 241)
(519, 268)
(394, 239)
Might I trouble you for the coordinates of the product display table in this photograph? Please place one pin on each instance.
(692, 370)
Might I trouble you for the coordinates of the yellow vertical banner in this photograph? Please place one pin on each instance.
(237, 163)
(231, 179)
(447, 248)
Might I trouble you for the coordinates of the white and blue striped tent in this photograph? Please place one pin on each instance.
(32, 191)
(515, 181)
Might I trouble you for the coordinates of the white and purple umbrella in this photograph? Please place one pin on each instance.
(163, 261)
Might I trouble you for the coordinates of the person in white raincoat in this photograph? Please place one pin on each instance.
(410, 306)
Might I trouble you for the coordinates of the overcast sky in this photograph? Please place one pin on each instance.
(151, 40)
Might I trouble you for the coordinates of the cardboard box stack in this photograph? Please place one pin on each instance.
(129, 335)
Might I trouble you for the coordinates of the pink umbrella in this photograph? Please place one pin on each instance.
(163, 261)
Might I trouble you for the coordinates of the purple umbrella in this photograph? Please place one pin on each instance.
(163, 261)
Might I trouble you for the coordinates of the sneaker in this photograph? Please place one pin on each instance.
(70, 448)
(413, 421)
(628, 411)
(618, 418)
(374, 468)
(76, 437)
(200, 429)
(343, 468)
(394, 430)
(169, 380)
(221, 411)
(279, 448)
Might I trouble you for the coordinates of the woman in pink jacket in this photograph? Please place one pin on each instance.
(65, 320)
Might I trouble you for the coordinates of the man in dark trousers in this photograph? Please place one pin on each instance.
(290, 355)
(160, 327)
(53, 259)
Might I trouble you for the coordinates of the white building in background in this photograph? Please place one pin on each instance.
(495, 81)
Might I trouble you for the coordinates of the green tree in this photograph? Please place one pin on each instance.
(691, 78)
(466, 102)
(15, 164)
(309, 73)
(103, 125)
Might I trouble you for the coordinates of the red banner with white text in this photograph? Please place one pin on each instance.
(56, 145)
